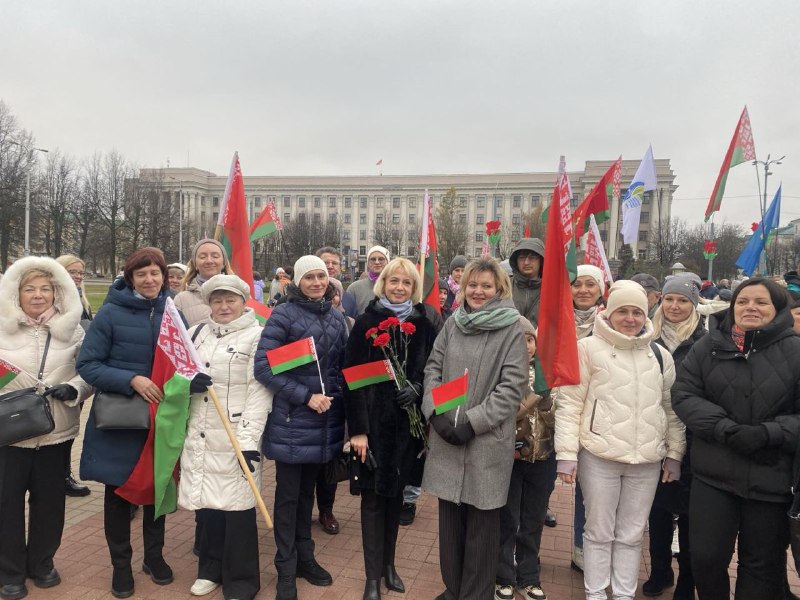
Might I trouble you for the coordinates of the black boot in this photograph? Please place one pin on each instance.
(116, 522)
(153, 538)
(122, 582)
(158, 569)
(658, 582)
(73, 488)
(286, 588)
(372, 590)
(392, 579)
(684, 590)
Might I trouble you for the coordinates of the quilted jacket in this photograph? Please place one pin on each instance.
(621, 410)
(190, 302)
(718, 387)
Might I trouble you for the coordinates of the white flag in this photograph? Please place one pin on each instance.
(643, 181)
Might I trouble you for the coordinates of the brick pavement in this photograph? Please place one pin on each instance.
(85, 568)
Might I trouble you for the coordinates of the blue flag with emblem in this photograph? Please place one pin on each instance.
(748, 259)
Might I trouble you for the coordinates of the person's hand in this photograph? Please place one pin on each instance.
(457, 436)
(63, 392)
(250, 456)
(319, 402)
(671, 470)
(200, 383)
(408, 395)
(146, 389)
(567, 470)
(464, 433)
(359, 445)
(748, 439)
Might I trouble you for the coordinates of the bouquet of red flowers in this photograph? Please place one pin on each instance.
(397, 354)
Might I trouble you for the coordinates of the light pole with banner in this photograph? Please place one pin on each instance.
(30, 150)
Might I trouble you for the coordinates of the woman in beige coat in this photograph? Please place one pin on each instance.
(209, 258)
(39, 313)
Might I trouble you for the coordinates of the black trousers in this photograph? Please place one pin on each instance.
(40, 472)
(380, 522)
(294, 503)
(762, 528)
(117, 524)
(660, 525)
(326, 493)
(68, 459)
(469, 541)
(229, 551)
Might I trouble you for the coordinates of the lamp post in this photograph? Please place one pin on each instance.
(180, 217)
(763, 201)
(30, 150)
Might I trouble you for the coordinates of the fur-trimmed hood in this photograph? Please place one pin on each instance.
(67, 302)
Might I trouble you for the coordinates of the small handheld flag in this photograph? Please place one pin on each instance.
(292, 355)
(262, 311)
(450, 394)
(369, 373)
(7, 373)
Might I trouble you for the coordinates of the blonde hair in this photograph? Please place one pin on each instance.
(684, 329)
(33, 274)
(485, 265)
(66, 260)
(191, 270)
(407, 267)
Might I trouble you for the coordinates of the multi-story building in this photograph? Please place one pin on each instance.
(360, 204)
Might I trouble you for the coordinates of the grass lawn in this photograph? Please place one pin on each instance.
(96, 293)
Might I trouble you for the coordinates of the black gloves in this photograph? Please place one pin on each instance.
(747, 439)
(457, 436)
(250, 456)
(63, 391)
(200, 383)
(408, 395)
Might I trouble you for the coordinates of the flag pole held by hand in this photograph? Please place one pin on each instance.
(245, 469)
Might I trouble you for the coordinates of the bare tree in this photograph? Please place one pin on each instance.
(667, 240)
(112, 202)
(451, 232)
(304, 234)
(58, 187)
(86, 202)
(730, 242)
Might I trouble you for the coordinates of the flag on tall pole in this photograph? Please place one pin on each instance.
(644, 181)
(233, 228)
(266, 223)
(750, 256)
(598, 201)
(428, 265)
(176, 362)
(558, 343)
(741, 149)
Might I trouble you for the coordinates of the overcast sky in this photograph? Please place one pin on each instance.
(329, 87)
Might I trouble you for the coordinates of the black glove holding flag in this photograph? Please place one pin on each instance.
(251, 456)
(457, 435)
(200, 383)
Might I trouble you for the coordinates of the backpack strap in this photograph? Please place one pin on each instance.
(197, 331)
(659, 358)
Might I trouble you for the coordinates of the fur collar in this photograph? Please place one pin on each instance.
(63, 325)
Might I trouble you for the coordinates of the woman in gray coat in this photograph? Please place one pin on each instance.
(470, 460)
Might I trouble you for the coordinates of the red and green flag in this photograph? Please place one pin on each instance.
(598, 201)
(262, 310)
(7, 373)
(428, 265)
(451, 394)
(266, 223)
(233, 229)
(369, 373)
(154, 478)
(292, 355)
(741, 149)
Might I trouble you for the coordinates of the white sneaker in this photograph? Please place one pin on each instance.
(503, 592)
(201, 587)
(676, 547)
(532, 592)
(577, 559)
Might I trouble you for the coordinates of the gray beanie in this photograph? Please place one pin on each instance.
(208, 241)
(681, 285)
(459, 262)
(307, 263)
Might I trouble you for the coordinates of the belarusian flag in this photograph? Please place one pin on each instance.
(428, 265)
(598, 201)
(450, 394)
(369, 373)
(262, 310)
(233, 229)
(266, 223)
(153, 480)
(7, 373)
(741, 149)
(292, 355)
(558, 343)
(595, 252)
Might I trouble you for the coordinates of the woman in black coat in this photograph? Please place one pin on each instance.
(738, 391)
(377, 419)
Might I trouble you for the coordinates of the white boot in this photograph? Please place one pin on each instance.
(201, 587)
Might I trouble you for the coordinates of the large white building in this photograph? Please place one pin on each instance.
(359, 203)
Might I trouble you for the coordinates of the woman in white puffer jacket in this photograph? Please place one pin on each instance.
(615, 431)
(212, 482)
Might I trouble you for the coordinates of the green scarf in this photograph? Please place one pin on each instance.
(486, 318)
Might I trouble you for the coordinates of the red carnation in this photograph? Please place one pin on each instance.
(371, 332)
(408, 328)
(388, 323)
(754, 226)
(381, 340)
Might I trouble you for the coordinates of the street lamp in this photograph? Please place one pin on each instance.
(180, 218)
(27, 250)
(763, 201)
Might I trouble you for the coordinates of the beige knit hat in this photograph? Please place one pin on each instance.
(307, 263)
(229, 283)
(626, 293)
(595, 273)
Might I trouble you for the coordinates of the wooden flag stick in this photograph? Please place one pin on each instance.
(242, 463)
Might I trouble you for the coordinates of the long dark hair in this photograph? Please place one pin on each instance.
(778, 296)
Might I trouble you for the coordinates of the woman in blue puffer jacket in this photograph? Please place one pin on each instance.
(306, 427)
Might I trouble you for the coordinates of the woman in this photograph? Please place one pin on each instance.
(470, 458)
(77, 270)
(306, 428)
(117, 356)
(739, 394)
(453, 281)
(211, 479)
(209, 258)
(676, 327)
(40, 334)
(377, 420)
(175, 273)
(615, 433)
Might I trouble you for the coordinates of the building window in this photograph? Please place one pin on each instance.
(412, 250)
(515, 219)
(202, 200)
(215, 217)
(379, 202)
(604, 235)
(412, 202)
(332, 218)
(645, 218)
(480, 201)
(317, 201)
(412, 235)
(478, 236)
(362, 219)
(515, 236)
(642, 236)
(536, 199)
(395, 201)
(215, 201)
(646, 199)
(301, 201)
(462, 217)
(362, 250)
(412, 219)
(317, 218)
(203, 216)
(479, 220)
(462, 202)
(642, 254)
(517, 201)
(363, 203)
(348, 202)
(395, 217)
(498, 200)
(331, 201)
(478, 251)
(362, 236)
(379, 218)
(258, 201)
(347, 219)
(346, 235)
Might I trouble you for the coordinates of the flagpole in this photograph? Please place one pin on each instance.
(242, 463)
(319, 370)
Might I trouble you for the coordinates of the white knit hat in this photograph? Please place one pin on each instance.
(380, 249)
(626, 293)
(307, 263)
(595, 273)
(229, 283)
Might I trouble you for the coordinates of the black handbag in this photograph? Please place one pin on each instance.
(120, 411)
(338, 469)
(25, 414)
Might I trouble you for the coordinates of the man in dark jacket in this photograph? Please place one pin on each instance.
(527, 264)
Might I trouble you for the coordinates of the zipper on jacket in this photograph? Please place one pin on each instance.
(326, 344)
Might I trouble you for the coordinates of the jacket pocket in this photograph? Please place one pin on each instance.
(591, 419)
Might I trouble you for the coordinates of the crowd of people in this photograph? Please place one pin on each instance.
(686, 417)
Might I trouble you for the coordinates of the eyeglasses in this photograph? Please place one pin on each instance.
(77, 273)
(527, 256)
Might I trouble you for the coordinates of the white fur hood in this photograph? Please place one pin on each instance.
(67, 302)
